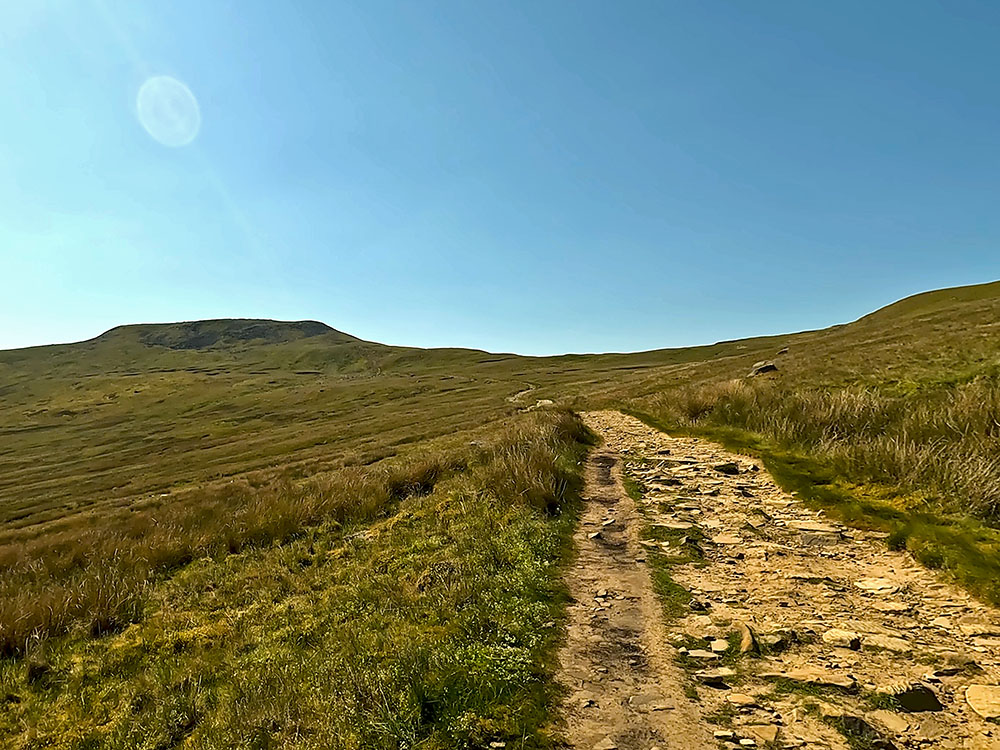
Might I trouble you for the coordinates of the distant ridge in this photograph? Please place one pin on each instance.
(936, 300)
(241, 334)
(224, 332)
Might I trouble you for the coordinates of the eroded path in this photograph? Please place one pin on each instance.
(624, 690)
(795, 631)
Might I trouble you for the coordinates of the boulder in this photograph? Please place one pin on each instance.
(759, 368)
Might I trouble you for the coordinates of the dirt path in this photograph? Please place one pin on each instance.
(516, 397)
(624, 690)
(847, 644)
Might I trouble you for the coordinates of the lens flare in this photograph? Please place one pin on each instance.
(168, 111)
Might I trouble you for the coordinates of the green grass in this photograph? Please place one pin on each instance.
(430, 628)
(331, 542)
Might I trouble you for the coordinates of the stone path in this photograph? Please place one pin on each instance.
(623, 689)
(796, 632)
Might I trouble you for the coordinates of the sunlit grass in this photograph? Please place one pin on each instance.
(431, 624)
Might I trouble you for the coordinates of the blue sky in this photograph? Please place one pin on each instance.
(537, 177)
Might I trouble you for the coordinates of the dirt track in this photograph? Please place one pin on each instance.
(843, 637)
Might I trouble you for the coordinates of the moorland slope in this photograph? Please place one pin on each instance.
(227, 506)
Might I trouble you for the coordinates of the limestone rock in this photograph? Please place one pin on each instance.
(892, 722)
(748, 642)
(764, 733)
(815, 676)
(729, 467)
(877, 586)
(861, 730)
(887, 643)
(818, 526)
(700, 653)
(828, 710)
(701, 621)
(815, 532)
(984, 700)
(716, 677)
(759, 368)
(974, 626)
(780, 641)
(842, 639)
(726, 539)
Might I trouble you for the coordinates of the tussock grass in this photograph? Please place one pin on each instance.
(939, 444)
(96, 576)
(429, 625)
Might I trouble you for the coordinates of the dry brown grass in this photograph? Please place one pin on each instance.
(96, 576)
(424, 622)
(941, 440)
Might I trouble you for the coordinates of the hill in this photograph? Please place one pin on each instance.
(311, 535)
(141, 409)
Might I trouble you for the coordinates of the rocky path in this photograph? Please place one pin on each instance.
(793, 631)
(624, 690)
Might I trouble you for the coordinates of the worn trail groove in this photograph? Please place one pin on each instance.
(845, 644)
(624, 690)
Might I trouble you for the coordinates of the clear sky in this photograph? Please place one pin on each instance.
(538, 176)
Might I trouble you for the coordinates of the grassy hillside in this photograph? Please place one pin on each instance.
(187, 507)
(390, 607)
(892, 421)
(145, 410)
